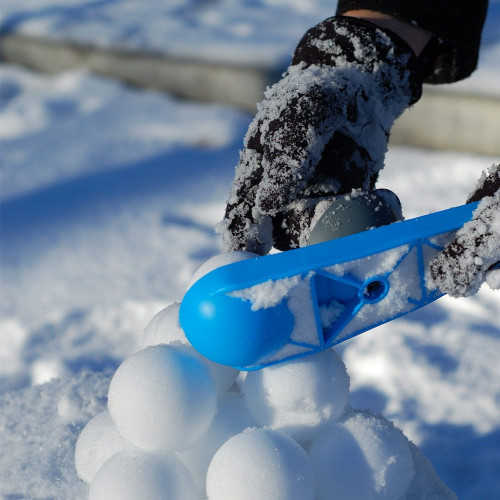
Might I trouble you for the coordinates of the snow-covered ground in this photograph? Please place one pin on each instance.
(109, 200)
(93, 172)
(245, 31)
(252, 32)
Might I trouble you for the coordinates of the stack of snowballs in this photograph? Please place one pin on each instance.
(181, 427)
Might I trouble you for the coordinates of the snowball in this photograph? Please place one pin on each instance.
(162, 398)
(133, 474)
(341, 467)
(362, 457)
(301, 396)
(165, 328)
(263, 464)
(220, 260)
(231, 418)
(98, 441)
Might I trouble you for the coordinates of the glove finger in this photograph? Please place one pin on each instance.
(242, 227)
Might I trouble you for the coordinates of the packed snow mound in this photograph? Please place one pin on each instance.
(281, 433)
(39, 426)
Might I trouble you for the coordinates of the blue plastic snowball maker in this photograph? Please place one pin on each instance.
(319, 295)
(226, 330)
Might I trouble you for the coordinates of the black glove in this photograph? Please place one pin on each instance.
(462, 267)
(321, 131)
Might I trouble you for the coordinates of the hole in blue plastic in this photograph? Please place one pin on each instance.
(374, 290)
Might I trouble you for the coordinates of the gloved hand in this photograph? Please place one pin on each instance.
(462, 267)
(321, 131)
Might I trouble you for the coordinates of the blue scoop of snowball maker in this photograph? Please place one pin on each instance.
(226, 330)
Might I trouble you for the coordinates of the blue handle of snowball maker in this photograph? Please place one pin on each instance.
(227, 330)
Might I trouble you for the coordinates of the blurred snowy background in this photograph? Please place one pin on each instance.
(109, 197)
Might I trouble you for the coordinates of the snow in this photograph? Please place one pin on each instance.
(94, 245)
(164, 328)
(243, 32)
(260, 463)
(128, 452)
(445, 352)
(162, 398)
(329, 313)
(268, 294)
(98, 441)
(219, 260)
(76, 163)
(232, 418)
(133, 474)
(300, 397)
(380, 463)
(300, 304)
(224, 376)
(373, 265)
(36, 457)
(124, 127)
